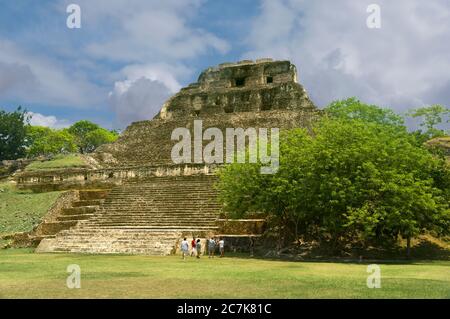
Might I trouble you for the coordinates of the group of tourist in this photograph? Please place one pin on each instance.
(196, 247)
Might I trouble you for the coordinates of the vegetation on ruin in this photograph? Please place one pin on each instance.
(60, 161)
(360, 177)
(88, 136)
(24, 274)
(20, 210)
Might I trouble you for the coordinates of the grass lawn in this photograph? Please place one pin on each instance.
(22, 210)
(24, 274)
(58, 162)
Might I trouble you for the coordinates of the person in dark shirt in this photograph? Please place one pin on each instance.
(198, 248)
(194, 248)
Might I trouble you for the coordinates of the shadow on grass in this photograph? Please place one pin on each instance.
(424, 250)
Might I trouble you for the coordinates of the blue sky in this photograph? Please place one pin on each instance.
(130, 56)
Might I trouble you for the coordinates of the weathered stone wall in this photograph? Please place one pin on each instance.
(8, 167)
(149, 142)
(107, 178)
(245, 86)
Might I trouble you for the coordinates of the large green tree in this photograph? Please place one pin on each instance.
(97, 137)
(431, 117)
(46, 141)
(88, 135)
(354, 178)
(13, 133)
(352, 108)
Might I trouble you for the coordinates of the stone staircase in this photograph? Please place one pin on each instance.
(82, 208)
(142, 216)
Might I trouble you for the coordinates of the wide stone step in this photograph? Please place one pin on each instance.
(155, 225)
(93, 194)
(155, 211)
(149, 227)
(174, 204)
(112, 241)
(154, 217)
(186, 206)
(150, 220)
(91, 202)
(74, 217)
(95, 221)
(159, 213)
(162, 197)
(79, 210)
(180, 203)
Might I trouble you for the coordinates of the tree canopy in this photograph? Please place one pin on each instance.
(88, 136)
(431, 117)
(352, 108)
(46, 141)
(13, 126)
(20, 139)
(359, 176)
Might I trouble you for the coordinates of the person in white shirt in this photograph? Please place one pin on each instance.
(211, 247)
(184, 248)
(221, 247)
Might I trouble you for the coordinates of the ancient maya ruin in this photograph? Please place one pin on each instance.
(135, 200)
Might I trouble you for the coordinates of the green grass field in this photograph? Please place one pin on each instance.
(58, 162)
(22, 210)
(24, 274)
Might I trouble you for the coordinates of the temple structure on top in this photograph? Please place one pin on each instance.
(245, 86)
(261, 94)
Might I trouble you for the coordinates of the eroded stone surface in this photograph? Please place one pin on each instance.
(245, 86)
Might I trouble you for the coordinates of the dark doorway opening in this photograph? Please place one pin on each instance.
(240, 82)
(269, 79)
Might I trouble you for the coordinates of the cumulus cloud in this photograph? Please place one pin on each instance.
(144, 90)
(137, 100)
(48, 121)
(14, 76)
(162, 72)
(120, 44)
(142, 31)
(30, 77)
(404, 64)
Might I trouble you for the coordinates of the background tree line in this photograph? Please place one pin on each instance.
(19, 139)
(358, 177)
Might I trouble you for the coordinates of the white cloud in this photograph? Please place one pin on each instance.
(30, 77)
(136, 100)
(404, 64)
(38, 119)
(13, 77)
(164, 73)
(144, 90)
(144, 39)
(142, 31)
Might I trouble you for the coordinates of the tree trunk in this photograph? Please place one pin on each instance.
(408, 247)
(296, 231)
